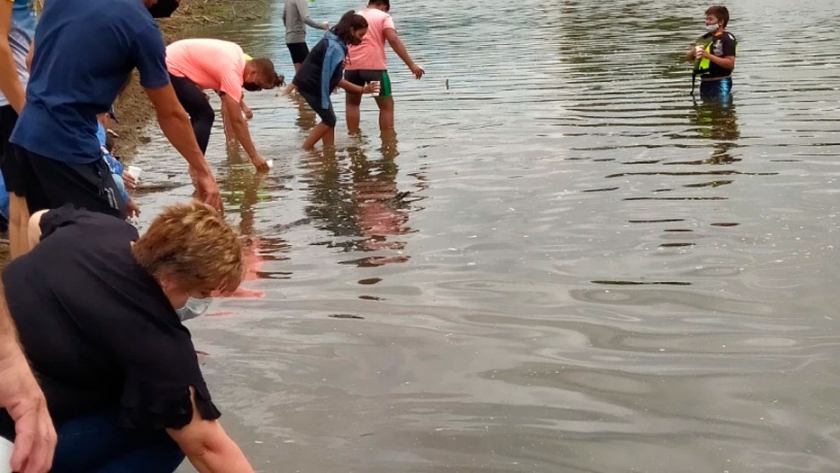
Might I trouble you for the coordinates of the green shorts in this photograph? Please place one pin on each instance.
(361, 77)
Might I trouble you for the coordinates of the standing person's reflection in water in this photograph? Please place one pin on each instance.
(717, 120)
(100, 313)
(381, 212)
(360, 199)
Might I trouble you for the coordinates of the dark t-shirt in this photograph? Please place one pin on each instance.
(309, 78)
(722, 46)
(85, 51)
(97, 328)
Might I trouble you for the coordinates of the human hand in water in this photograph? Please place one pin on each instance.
(260, 163)
(132, 209)
(35, 435)
(417, 70)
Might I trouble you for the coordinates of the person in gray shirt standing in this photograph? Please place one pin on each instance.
(296, 17)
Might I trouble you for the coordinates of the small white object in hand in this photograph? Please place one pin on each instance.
(270, 163)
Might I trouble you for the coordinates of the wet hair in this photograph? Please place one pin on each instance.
(720, 12)
(192, 244)
(349, 21)
(384, 3)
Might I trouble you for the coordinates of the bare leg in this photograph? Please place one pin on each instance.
(316, 133)
(297, 67)
(386, 113)
(329, 138)
(354, 112)
(18, 226)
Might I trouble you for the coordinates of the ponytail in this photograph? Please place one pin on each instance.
(349, 21)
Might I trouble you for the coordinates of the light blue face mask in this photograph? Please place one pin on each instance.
(193, 308)
(712, 28)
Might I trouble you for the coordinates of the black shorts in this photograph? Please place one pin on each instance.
(51, 184)
(327, 114)
(299, 51)
(8, 151)
(362, 77)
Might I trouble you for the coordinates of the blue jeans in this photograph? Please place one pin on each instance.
(97, 444)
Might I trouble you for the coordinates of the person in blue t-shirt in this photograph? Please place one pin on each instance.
(17, 29)
(66, 91)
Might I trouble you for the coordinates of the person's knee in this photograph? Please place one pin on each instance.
(386, 104)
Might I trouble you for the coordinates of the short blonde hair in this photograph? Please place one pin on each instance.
(194, 245)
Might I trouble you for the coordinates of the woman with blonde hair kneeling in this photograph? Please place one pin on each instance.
(100, 311)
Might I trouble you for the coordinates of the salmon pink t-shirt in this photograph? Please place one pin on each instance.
(210, 63)
(370, 55)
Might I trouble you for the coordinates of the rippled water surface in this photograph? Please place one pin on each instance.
(561, 263)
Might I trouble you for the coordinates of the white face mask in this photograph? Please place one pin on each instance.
(712, 28)
(193, 308)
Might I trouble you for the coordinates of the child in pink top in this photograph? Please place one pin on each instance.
(366, 63)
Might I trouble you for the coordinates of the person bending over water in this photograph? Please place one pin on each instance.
(322, 72)
(366, 63)
(198, 64)
(100, 313)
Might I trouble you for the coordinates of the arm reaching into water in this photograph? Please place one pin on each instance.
(208, 446)
(175, 124)
(234, 116)
(399, 47)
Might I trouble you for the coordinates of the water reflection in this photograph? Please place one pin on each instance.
(717, 120)
(355, 198)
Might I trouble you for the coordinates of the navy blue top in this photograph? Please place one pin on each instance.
(323, 68)
(85, 51)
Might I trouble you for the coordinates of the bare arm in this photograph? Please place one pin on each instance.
(208, 447)
(175, 124)
(727, 62)
(21, 396)
(399, 48)
(9, 82)
(233, 115)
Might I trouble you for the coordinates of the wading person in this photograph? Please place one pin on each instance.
(322, 72)
(199, 64)
(366, 63)
(103, 330)
(714, 56)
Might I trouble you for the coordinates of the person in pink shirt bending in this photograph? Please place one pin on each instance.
(197, 64)
(366, 63)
